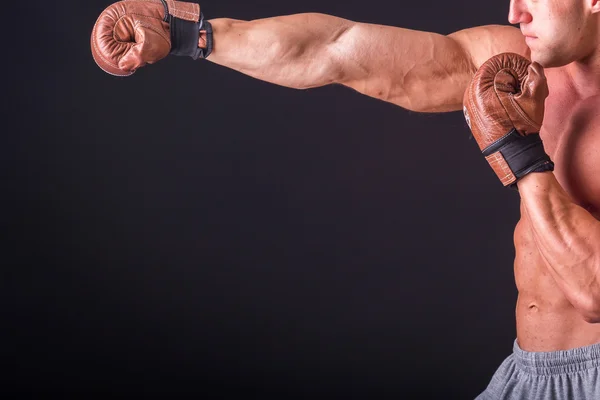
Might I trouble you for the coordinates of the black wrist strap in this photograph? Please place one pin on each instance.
(185, 35)
(523, 154)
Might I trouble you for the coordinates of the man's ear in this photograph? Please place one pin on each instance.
(595, 6)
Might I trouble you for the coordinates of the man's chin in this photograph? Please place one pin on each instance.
(545, 62)
(548, 61)
(542, 63)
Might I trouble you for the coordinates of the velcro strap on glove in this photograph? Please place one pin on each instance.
(185, 32)
(523, 154)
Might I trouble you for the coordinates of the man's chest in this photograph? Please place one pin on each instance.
(571, 136)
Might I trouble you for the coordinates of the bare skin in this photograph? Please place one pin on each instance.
(419, 71)
(546, 318)
(557, 240)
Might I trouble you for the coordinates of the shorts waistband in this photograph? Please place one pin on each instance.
(557, 362)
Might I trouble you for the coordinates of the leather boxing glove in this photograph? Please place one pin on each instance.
(504, 108)
(132, 33)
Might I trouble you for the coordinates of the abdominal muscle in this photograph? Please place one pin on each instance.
(546, 320)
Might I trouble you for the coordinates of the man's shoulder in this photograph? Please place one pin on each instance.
(484, 42)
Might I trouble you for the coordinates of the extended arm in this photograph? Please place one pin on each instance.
(568, 237)
(419, 71)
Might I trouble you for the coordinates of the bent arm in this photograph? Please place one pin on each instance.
(419, 71)
(568, 237)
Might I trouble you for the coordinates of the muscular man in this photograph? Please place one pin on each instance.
(557, 240)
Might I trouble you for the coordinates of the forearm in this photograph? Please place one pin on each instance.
(291, 51)
(568, 237)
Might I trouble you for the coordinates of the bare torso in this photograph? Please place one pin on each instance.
(546, 321)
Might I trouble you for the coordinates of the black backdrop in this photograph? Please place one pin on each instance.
(192, 230)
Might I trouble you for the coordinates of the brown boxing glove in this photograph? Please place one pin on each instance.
(504, 108)
(132, 33)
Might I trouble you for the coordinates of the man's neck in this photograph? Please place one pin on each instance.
(585, 74)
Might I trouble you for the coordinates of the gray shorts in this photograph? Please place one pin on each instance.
(558, 375)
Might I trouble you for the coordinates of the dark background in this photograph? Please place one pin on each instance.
(192, 230)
